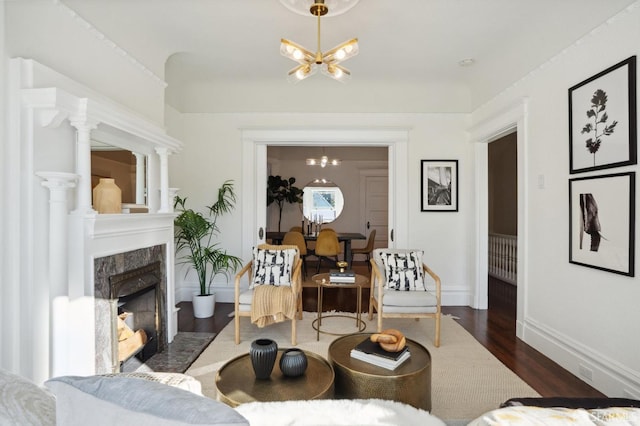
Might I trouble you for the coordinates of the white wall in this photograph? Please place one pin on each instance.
(213, 153)
(582, 318)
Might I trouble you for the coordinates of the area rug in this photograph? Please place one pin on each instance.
(467, 380)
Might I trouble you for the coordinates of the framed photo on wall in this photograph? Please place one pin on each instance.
(602, 119)
(602, 222)
(439, 186)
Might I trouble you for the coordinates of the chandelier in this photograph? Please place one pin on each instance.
(328, 62)
(323, 161)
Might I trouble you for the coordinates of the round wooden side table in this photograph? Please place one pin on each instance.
(236, 382)
(409, 383)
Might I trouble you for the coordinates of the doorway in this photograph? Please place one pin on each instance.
(255, 144)
(503, 222)
(482, 132)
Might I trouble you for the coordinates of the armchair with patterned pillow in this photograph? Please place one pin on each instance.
(402, 286)
(275, 288)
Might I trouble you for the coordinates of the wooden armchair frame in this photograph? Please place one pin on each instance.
(378, 282)
(296, 287)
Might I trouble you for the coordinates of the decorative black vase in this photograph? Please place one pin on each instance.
(263, 353)
(293, 362)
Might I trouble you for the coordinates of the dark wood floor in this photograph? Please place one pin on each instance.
(493, 328)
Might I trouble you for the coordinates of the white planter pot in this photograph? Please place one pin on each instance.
(203, 306)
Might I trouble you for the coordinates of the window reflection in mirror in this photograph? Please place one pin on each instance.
(119, 165)
(322, 201)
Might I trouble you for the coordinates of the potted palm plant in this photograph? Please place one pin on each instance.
(195, 232)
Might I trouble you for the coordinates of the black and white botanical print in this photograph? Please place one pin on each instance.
(597, 127)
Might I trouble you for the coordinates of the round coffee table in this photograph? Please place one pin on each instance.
(409, 383)
(236, 382)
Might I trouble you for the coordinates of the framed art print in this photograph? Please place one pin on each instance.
(602, 119)
(602, 222)
(439, 186)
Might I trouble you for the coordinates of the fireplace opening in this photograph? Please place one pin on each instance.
(135, 299)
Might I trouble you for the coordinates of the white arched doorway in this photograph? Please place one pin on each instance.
(255, 142)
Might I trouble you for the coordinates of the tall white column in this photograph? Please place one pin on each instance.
(58, 184)
(163, 153)
(140, 174)
(83, 163)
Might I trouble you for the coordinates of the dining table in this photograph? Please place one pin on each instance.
(276, 237)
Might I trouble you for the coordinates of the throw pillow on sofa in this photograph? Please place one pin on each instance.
(23, 403)
(107, 401)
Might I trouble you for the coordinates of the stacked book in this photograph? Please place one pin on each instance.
(342, 276)
(372, 353)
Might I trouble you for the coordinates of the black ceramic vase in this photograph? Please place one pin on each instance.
(293, 362)
(263, 353)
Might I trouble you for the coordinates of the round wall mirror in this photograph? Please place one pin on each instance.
(322, 201)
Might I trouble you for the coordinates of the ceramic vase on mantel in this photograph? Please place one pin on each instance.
(107, 197)
(263, 353)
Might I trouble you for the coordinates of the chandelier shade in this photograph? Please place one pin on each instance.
(328, 62)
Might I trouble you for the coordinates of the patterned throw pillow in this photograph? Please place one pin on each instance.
(403, 271)
(273, 267)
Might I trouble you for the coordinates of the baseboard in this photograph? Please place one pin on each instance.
(605, 374)
(223, 294)
(456, 296)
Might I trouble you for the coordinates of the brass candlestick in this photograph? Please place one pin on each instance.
(342, 264)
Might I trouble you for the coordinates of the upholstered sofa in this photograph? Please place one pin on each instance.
(166, 399)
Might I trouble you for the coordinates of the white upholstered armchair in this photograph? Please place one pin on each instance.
(400, 288)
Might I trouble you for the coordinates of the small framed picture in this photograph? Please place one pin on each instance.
(602, 222)
(439, 186)
(602, 119)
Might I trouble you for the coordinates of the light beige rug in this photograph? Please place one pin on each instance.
(466, 379)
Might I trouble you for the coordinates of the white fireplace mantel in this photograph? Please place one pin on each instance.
(52, 128)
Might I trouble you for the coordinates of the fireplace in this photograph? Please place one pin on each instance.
(135, 294)
(134, 282)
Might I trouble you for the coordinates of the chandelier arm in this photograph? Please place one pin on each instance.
(349, 49)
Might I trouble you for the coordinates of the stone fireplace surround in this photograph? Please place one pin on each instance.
(104, 269)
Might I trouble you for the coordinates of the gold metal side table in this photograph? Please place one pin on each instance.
(236, 382)
(409, 383)
(324, 281)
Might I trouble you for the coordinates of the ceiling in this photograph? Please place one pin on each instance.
(403, 43)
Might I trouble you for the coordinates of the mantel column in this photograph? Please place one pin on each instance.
(83, 163)
(163, 153)
(58, 184)
(140, 174)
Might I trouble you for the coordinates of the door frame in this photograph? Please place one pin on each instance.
(254, 170)
(482, 133)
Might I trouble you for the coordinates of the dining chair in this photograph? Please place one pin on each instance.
(327, 245)
(399, 288)
(366, 250)
(297, 239)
